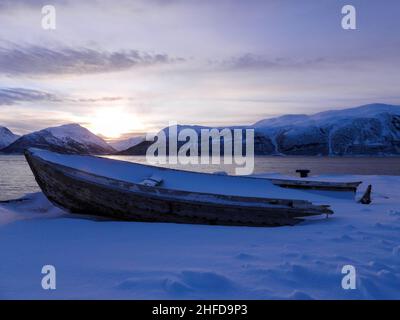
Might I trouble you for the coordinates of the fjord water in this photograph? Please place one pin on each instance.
(16, 178)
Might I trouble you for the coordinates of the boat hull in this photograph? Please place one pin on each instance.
(85, 193)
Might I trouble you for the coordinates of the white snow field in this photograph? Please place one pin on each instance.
(99, 259)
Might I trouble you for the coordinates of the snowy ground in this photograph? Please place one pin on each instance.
(128, 260)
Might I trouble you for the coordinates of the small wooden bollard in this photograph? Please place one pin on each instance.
(303, 172)
(366, 198)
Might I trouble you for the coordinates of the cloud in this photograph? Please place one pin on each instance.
(10, 96)
(29, 3)
(254, 61)
(101, 99)
(38, 60)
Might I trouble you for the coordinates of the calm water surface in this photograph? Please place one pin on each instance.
(16, 178)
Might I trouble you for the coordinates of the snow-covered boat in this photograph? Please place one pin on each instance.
(132, 191)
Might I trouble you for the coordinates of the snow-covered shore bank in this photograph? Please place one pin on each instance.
(128, 260)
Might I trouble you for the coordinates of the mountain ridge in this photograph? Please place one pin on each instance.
(6, 137)
(68, 138)
(372, 129)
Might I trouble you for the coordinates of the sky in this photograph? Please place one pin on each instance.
(122, 68)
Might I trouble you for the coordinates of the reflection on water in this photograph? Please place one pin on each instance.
(16, 178)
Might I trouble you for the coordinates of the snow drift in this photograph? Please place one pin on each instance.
(98, 259)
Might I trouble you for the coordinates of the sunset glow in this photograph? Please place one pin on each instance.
(113, 122)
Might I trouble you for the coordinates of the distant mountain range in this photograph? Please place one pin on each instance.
(367, 130)
(126, 143)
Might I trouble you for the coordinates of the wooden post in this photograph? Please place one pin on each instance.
(366, 198)
(303, 172)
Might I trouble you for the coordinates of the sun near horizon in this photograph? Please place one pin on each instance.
(113, 123)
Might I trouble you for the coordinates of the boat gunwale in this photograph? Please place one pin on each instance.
(194, 172)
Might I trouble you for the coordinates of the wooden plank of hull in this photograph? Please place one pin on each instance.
(81, 192)
(317, 185)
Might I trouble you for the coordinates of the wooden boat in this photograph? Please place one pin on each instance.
(316, 185)
(132, 191)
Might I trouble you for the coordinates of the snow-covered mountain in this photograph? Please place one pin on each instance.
(6, 137)
(126, 143)
(69, 138)
(372, 129)
(365, 130)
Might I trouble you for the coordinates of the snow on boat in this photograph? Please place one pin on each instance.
(131, 191)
